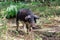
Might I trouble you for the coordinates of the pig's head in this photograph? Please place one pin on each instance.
(32, 19)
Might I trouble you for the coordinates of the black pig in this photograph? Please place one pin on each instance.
(26, 15)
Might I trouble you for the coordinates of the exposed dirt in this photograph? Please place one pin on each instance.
(48, 32)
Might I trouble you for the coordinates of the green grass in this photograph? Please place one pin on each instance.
(10, 8)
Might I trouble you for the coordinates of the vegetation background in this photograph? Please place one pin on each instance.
(47, 10)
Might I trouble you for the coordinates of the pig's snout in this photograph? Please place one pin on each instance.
(33, 24)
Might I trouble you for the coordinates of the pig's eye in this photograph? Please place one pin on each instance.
(30, 20)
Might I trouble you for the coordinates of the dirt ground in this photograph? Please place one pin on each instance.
(45, 32)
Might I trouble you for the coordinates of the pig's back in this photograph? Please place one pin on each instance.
(22, 14)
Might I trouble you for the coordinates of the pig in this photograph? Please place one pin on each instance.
(26, 15)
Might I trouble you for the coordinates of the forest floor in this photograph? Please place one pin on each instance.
(48, 30)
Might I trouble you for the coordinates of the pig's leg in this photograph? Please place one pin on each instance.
(27, 28)
(17, 23)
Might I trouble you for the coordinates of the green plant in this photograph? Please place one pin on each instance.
(11, 11)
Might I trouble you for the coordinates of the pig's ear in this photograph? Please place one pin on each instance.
(36, 17)
(27, 17)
